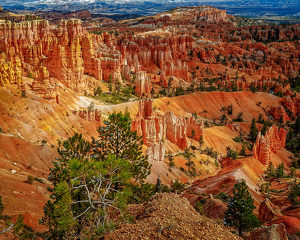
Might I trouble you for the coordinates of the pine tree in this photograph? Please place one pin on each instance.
(243, 150)
(92, 179)
(270, 172)
(117, 138)
(260, 119)
(240, 209)
(279, 172)
(253, 130)
(294, 193)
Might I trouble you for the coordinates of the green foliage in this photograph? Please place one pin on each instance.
(187, 155)
(30, 75)
(260, 119)
(294, 194)
(279, 172)
(231, 153)
(30, 179)
(243, 150)
(240, 209)
(253, 88)
(223, 196)
(118, 93)
(179, 91)
(23, 94)
(117, 138)
(239, 117)
(94, 180)
(170, 158)
(238, 139)
(293, 137)
(253, 130)
(82, 204)
(97, 91)
(273, 172)
(177, 187)
(292, 172)
(229, 109)
(199, 207)
(18, 228)
(270, 172)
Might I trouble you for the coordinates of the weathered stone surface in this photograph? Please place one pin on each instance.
(273, 232)
(267, 211)
(156, 151)
(41, 83)
(10, 72)
(142, 84)
(92, 115)
(176, 129)
(152, 128)
(273, 140)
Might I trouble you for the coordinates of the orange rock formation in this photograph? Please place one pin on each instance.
(273, 140)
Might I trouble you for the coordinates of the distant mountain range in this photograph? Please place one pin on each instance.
(236, 7)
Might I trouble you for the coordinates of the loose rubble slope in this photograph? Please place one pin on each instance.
(167, 216)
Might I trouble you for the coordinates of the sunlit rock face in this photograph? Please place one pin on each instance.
(272, 141)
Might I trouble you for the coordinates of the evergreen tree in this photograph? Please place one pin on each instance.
(187, 155)
(253, 130)
(240, 209)
(92, 179)
(294, 193)
(117, 138)
(279, 173)
(243, 150)
(260, 119)
(270, 172)
(293, 172)
(170, 158)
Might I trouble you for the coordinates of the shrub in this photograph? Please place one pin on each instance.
(30, 179)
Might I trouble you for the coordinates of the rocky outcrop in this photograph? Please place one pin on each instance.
(156, 151)
(10, 72)
(155, 128)
(279, 113)
(176, 129)
(89, 115)
(267, 211)
(152, 128)
(142, 84)
(291, 106)
(273, 232)
(195, 128)
(273, 141)
(41, 83)
(214, 208)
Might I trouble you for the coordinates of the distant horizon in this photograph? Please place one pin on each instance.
(251, 8)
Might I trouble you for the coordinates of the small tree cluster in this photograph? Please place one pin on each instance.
(273, 172)
(231, 153)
